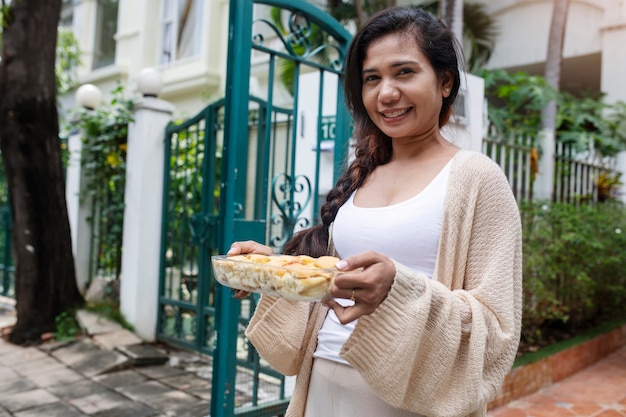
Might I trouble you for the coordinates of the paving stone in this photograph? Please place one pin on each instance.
(159, 372)
(53, 345)
(59, 377)
(173, 401)
(6, 347)
(7, 373)
(15, 384)
(78, 389)
(101, 362)
(120, 378)
(51, 410)
(144, 354)
(117, 338)
(20, 356)
(93, 323)
(26, 399)
(187, 382)
(99, 402)
(144, 391)
(203, 393)
(76, 352)
(133, 410)
(45, 364)
(198, 410)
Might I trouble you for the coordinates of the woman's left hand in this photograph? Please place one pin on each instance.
(367, 281)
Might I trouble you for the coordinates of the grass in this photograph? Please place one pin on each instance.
(531, 357)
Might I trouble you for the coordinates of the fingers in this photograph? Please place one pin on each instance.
(240, 294)
(249, 246)
(361, 260)
(367, 279)
(349, 313)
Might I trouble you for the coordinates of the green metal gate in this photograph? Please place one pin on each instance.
(7, 269)
(255, 165)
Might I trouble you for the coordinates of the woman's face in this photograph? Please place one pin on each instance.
(401, 92)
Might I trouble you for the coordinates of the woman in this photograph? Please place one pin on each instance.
(426, 319)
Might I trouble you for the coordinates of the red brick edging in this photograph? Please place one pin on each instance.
(527, 379)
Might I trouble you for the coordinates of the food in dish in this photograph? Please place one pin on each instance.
(297, 277)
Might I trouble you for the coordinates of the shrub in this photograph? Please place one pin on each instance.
(574, 275)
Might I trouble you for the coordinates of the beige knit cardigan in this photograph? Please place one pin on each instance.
(439, 347)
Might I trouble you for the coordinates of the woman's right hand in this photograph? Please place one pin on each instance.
(248, 246)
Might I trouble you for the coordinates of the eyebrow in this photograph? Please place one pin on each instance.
(395, 64)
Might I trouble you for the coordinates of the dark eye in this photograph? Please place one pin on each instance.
(405, 71)
(370, 78)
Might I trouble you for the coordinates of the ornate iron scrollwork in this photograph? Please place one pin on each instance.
(201, 228)
(284, 189)
(298, 41)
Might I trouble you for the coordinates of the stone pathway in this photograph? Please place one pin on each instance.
(597, 391)
(111, 373)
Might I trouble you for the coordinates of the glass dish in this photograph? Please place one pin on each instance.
(300, 278)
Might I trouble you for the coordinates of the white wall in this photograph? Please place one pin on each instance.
(524, 28)
(189, 85)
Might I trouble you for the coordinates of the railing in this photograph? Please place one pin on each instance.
(516, 156)
(579, 177)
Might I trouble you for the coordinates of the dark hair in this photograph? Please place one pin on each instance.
(373, 147)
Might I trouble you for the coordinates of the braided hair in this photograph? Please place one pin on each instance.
(373, 147)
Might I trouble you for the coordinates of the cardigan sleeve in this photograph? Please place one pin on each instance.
(442, 346)
(278, 331)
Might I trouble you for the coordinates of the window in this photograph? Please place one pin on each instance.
(181, 29)
(67, 14)
(106, 27)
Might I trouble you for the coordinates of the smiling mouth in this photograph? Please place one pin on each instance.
(395, 113)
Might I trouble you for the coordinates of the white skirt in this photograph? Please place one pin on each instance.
(338, 390)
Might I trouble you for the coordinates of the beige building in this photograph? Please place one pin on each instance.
(594, 52)
(186, 41)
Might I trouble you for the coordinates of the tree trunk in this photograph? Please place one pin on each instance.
(360, 13)
(45, 283)
(554, 58)
(451, 13)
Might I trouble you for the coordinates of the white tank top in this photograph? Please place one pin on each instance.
(408, 232)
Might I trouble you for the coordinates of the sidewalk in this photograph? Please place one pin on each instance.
(112, 374)
(597, 391)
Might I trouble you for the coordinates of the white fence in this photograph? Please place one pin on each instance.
(579, 176)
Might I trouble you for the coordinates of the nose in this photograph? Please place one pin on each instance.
(388, 92)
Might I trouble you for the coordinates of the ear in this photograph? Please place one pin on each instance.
(446, 84)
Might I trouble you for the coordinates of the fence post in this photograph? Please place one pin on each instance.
(78, 211)
(621, 167)
(543, 189)
(139, 282)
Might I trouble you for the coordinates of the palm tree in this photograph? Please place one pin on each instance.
(478, 28)
(554, 58)
(451, 13)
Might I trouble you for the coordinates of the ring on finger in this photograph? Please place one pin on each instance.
(352, 296)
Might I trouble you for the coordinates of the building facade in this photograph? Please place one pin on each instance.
(187, 40)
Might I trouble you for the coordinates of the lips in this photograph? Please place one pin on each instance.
(396, 113)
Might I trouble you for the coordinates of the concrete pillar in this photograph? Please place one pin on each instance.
(613, 82)
(78, 211)
(139, 286)
(543, 188)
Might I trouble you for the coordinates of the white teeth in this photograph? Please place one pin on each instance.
(395, 113)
